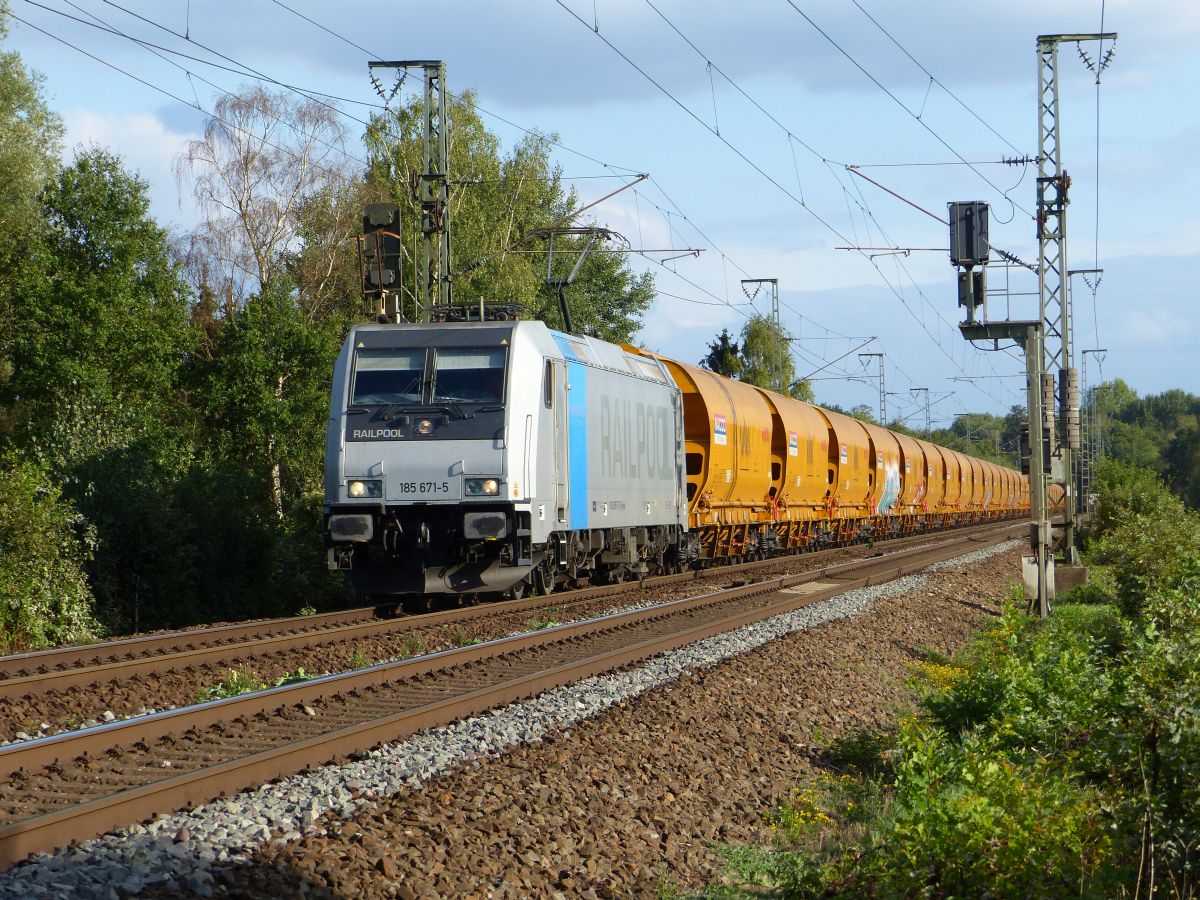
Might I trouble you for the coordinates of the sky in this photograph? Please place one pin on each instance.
(747, 118)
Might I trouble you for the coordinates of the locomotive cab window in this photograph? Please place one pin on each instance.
(388, 376)
(468, 375)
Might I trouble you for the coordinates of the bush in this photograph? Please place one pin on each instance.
(1048, 758)
(44, 545)
(964, 821)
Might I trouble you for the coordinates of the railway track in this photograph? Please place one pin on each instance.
(30, 675)
(76, 785)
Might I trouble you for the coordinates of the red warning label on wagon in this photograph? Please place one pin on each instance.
(719, 430)
(793, 444)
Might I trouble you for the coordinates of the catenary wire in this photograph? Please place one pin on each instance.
(933, 79)
(901, 104)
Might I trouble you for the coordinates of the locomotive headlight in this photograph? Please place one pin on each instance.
(481, 487)
(365, 489)
(424, 426)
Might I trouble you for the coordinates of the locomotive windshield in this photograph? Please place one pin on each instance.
(388, 376)
(455, 375)
(468, 375)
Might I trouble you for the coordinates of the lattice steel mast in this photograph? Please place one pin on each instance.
(1054, 287)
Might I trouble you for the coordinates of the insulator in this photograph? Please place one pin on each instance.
(1068, 403)
(1048, 401)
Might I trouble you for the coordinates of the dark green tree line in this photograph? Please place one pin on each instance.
(163, 397)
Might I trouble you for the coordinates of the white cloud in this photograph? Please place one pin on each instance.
(148, 148)
(1155, 326)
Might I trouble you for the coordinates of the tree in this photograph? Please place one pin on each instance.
(263, 156)
(497, 201)
(44, 595)
(100, 325)
(1183, 466)
(766, 357)
(30, 137)
(265, 395)
(723, 356)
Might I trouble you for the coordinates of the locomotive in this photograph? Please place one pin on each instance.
(485, 458)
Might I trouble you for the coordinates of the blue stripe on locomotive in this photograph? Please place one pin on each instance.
(577, 443)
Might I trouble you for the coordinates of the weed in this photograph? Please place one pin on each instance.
(358, 660)
(414, 645)
(461, 638)
(307, 611)
(294, 677)
(542, 624)
(865, 752)
(665, 888)
(238, 682)
(930, 654)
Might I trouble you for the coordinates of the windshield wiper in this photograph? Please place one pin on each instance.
(456, 409)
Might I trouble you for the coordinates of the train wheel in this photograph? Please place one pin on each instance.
(543, 582)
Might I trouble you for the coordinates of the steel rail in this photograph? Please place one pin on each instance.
(281, 635)
(60, 659)
(46, 831)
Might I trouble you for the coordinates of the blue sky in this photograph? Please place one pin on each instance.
(810, 112)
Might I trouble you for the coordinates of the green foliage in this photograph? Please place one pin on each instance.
(723, 356)
(44, 546)
(414, 645)
(1048, 759)
(963, 822)
(1144, 536)
(498, 200)
(238, 682)
(265, 391)
(102, 314)
(358, 660)
(461, 638)
(297, 677)
(764, 358)
(30, 136)
(542, 624)
(1160, 432)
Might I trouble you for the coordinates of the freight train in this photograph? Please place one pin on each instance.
(488, 458)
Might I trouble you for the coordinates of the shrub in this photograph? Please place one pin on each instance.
(44, 545)
(964, 821)
(1048, 758)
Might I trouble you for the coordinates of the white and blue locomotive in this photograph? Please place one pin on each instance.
(485, 457)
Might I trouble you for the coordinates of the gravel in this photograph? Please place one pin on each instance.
(185, 852)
